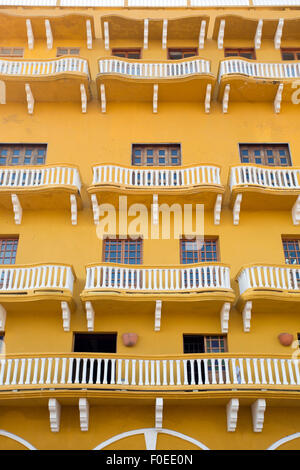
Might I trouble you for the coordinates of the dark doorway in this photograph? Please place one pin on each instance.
(94, 369)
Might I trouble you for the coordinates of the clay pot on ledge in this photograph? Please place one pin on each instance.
(129, 339)
(285, 339)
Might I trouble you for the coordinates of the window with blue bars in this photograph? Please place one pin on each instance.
(197, 251)
(265, 154)
(156, 154)
(122, 251)
(291, 248)
(22, 154)
(8, 252)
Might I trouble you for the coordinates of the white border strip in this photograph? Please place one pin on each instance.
(277, 444)
(19, 439)
(142, 431)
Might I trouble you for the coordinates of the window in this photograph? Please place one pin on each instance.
(197, 344)
(67, 51)
(156, 154)
(92, 370)
(194, 251)
(242, 52)
(291, 248)
(122, 251)
(290, 54)
(11, 51)
(127, 53)
(8, 250)
(23, 154)
(95, 342)
(180, 53)
(265, 154)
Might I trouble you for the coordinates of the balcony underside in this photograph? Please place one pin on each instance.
(239, 27)
(250, 89)
(61, 87)
(257, 198)
(121, 27)
(209, 300)
(204, 194)
(39, 300)
(54, 197)
(38, 396)
(187, 88)
(271, 300)
(63, 26)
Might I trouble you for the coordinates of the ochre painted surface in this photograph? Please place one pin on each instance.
(48, 235)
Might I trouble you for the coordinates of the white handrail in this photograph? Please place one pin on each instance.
(259, 69)
(171, 69)
(198, 372)
(35, 177)
(164, 177)
(38, 67)
(247, 175)
(48, 276)
(269, 277)
(105, 277)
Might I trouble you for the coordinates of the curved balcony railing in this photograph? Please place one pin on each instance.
(144, 70)
(136, 279)
(46, 67)
(204, 371)
(259, 70)
(156, 177)
(284, 278)
(271, 178)
(31, 177)
(20, 279)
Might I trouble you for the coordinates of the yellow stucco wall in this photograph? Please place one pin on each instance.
(45, 236)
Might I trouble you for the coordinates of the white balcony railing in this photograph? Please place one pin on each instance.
(203, 372)
(46, 67)
(171, 69)
(219, 3)
(259, 70)
(269, 277)
(48, 276)
(157, 3)
(105, 277)
(92, 3)
(281, 179)
(29, 3)
(142, 177)
(276, 3)
(35, 177)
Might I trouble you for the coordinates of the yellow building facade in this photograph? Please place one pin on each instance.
(151, 342)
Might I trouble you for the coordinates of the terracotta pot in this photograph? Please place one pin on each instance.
(285, 339)
(129, 339)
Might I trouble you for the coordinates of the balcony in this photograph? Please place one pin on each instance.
(255, 187)
(45, 288)
(116, 28)
(100, 373)
(249, 81)
(60, 80)
(52, 28)
(40, 188)
(161, 289)
(142, 184)
(237, 27)
(144, 81)
(268, 289)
